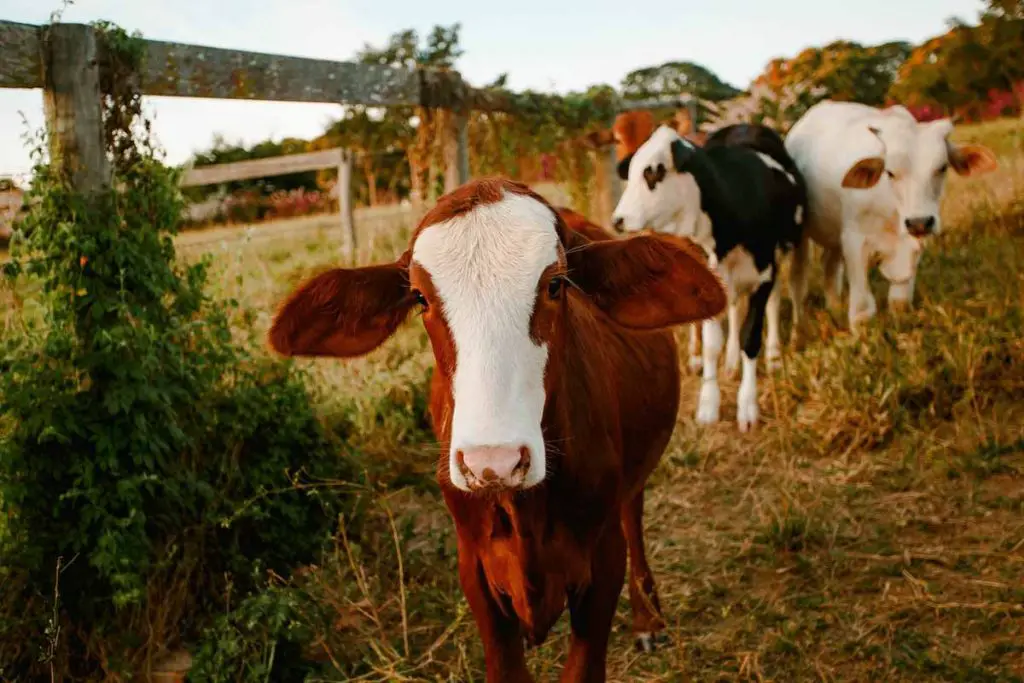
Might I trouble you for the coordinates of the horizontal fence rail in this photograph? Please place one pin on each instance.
(20, 56)
(260, 168)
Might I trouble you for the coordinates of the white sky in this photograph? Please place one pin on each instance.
(551, 45)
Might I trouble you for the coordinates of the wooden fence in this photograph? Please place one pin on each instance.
(65, 61)
(283, 165)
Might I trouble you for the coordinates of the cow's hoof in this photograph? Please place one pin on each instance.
(696, 364)
(649, 642)
(746, 411)
(707, 407)
(774, 361)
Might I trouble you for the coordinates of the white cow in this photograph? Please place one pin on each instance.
(874, 182)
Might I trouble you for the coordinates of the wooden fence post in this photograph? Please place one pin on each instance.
(462, 125)
(73, 105)
(455, 149)
(348, 225)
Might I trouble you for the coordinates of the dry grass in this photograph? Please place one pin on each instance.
(872, 528)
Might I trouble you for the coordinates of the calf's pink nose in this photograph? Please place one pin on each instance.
(493, 466)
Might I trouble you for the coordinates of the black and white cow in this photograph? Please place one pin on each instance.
(742, 198)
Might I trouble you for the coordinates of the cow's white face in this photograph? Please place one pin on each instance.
(486, 269)
(913, 168)
(656, 196)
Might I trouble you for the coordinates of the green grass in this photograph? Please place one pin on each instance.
(872, 528)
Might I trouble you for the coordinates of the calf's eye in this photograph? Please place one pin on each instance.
(420, 299)
(555, 287)
(890, 173)
(942, 171)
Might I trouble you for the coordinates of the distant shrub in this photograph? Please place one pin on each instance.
(152, 472)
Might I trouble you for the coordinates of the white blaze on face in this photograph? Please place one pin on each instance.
(485, 266)
(674, 203)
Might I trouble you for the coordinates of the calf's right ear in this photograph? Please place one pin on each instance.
(865, 173)
(344, 312)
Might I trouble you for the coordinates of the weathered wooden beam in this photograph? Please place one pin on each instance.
(261, 168)
(73, 106)
(179, 70)
(21, 63)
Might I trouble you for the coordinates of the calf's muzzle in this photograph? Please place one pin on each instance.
(493, 467)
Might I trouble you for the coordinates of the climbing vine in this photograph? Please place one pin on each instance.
(152, 471)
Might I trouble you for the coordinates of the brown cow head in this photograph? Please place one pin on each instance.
(493, 269)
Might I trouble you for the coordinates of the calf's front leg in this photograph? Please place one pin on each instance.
(643, 595)
(710, 395)
(732, 345)
(592, 609)
(504, 657)
(862, 306)
(746, 400)
(695, 362)
(773, 353)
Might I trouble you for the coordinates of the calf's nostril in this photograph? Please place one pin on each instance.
(524, 461)
(618, 222)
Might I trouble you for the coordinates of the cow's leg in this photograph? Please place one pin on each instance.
(696, 362)
(746, 399)
(592, 609)
(643, 596)
(901, 296)
(732, 345)
(862, 304)
(710, 395)
(503, 643)
(798, 276)
(773, 352)
(834, 278)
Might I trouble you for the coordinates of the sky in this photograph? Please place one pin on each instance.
(547, 45)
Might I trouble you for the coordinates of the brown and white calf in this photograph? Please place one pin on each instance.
(555, 393)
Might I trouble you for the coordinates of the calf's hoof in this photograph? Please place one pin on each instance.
(746, 411)
(710, 399)
(649, 642)
(696, 364)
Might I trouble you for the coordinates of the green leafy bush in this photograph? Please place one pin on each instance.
(150, 467)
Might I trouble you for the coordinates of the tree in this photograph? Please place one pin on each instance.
(675, 78)
(371, 138)
(1002, 30)
(973, 70)
(440, 51)
(841, 70)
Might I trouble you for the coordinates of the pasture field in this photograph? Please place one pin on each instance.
(870, 529)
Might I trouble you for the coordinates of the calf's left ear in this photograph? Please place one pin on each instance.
(344, 312)
(646, 281)
(971, 159)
